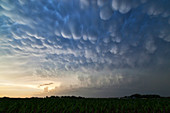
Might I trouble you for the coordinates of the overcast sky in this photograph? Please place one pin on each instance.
(92, 48)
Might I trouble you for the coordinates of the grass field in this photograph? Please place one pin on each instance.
(84, 105)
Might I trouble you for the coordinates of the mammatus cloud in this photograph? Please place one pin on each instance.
(87, 36)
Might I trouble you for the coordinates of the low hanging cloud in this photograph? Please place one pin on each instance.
(45, 84)
(87, 36)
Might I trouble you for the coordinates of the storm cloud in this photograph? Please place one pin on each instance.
(106, 43)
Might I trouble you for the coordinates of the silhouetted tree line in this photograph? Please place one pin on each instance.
(79, 97)
(143, 96)
(132, 96)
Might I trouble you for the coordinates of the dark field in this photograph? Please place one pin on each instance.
(84, 105)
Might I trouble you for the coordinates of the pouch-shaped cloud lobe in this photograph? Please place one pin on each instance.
(87, 35)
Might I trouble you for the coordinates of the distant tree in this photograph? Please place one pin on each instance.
(34, 97)
(151, 96)
(5, 97)
(54, 97)
(136, 96)
(144, 96)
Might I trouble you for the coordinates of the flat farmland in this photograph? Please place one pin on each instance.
(84, 105)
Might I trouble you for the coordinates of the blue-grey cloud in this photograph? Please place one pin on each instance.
(87, 36)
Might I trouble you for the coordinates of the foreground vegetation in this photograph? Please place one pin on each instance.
(84, 105)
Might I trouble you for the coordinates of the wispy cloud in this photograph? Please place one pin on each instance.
(46, 84)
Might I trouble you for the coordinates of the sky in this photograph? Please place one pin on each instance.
(91, 48)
